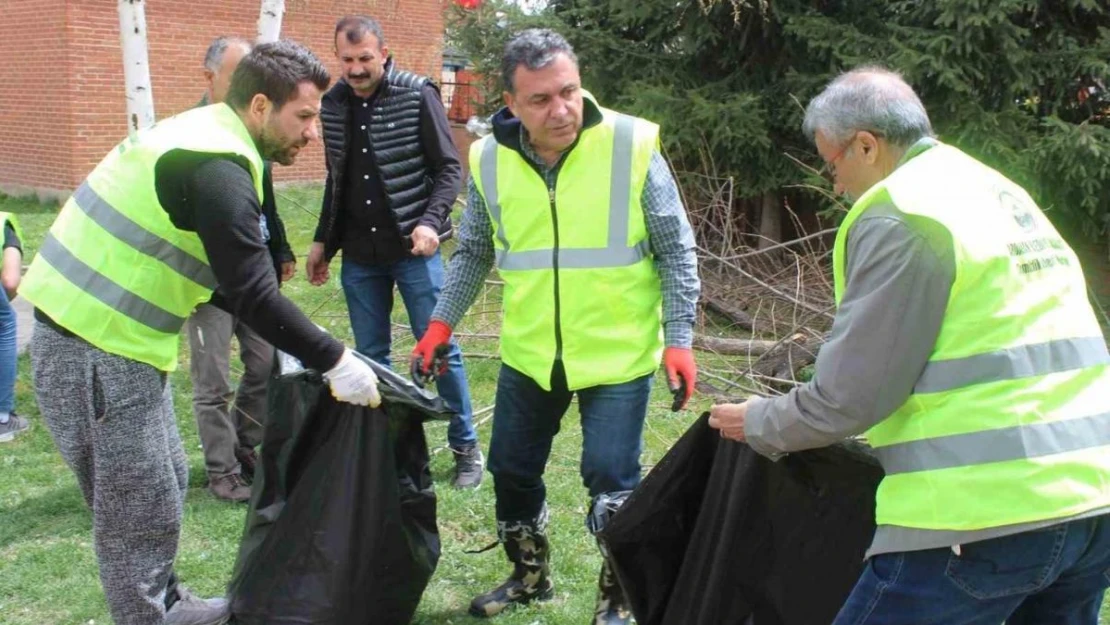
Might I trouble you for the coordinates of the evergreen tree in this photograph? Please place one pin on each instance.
(1021, 84)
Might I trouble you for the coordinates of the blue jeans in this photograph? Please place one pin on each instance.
(1052, 576)
(526, 419)
(369, 293)
(7, 354)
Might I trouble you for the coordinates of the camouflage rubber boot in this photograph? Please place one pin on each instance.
(527, 548)
(612, 607)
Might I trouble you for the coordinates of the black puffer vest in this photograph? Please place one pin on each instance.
(395, 143)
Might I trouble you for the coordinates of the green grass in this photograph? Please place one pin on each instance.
(48, 572)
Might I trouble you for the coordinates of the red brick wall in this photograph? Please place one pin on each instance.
(62, 113)
(36, 125)
(463, 139)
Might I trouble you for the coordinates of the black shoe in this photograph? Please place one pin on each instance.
(527, 548)
(468, 466)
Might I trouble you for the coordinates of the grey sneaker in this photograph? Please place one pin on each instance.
(230, 487)
(190, 609)
(468, 466)
(14, 426)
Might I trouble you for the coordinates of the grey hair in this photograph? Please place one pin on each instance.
(534, 48)
(873, 99)
(215, 54)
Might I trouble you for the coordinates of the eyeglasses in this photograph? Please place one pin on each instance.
(828, 172)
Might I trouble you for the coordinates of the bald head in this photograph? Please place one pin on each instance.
(872, 99)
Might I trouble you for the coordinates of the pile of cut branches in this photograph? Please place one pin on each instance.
(766, 306)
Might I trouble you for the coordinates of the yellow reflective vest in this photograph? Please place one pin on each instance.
(1009, 421)
(580, 281)
(113, 269)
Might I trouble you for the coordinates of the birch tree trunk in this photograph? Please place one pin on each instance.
(269, 21)
(136, 65)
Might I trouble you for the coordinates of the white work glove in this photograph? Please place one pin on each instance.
(353, 381)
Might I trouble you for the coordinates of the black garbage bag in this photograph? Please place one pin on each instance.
(717, 533)
(342, 522)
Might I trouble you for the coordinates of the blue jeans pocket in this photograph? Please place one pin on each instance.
(1011, 565)
(887, 567)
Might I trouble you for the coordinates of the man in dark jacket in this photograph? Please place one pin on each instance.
(230, 430)
(393, 175)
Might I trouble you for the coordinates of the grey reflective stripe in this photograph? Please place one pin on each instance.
(620, 183)
(1013, 363)
(519, 261)
(488, 166)
(574, 258)
(617, 253)
(123, 228)
(97, 285)
(1013, 443)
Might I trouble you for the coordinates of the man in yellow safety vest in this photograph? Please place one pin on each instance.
(167, 218)
(967, 351)
(581, 215)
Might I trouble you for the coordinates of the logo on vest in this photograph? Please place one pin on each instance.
(1032, 254)
(1019, 210)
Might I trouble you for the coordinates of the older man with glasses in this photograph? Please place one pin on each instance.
(966, 349)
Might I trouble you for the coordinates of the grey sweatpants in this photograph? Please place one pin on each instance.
(224, 425)
(112, 420)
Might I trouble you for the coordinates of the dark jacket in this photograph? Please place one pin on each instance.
(407, 178)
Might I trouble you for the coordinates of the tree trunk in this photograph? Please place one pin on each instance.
(734, 347)
(730, 311)
(770, 220)
(790, 357)
(269, 21)
(136, 65)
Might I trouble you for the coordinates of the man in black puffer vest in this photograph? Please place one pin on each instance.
(393, 176)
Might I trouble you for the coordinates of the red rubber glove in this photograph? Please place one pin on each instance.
(424, 355)
(679, 363)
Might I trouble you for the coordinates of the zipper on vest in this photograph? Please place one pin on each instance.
(555, 268)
